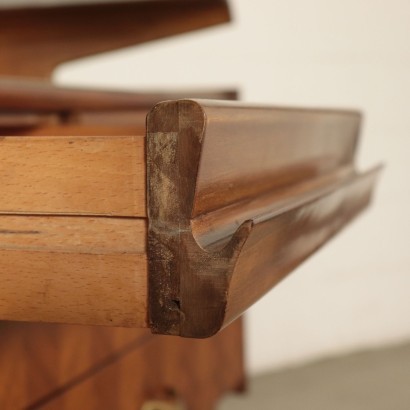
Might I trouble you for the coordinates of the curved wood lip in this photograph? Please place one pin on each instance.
(195, 258)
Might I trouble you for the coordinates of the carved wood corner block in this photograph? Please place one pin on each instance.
(191, 303)
(237, 198)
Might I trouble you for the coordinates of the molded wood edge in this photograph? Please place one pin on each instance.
(196, 289)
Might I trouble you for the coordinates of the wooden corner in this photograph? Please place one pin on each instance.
(174, 145)
(237, 197)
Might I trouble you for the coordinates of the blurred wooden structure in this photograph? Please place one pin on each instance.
(176, 224)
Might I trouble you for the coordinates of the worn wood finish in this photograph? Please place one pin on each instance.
(237, 198)
(33, 41)
(62, 367)
(77, 176)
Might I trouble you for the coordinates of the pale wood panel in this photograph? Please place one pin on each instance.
(73, 175)
(76, 129)
(99, 289)
(88, 270)
(91, 235)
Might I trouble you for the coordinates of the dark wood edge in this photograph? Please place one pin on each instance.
(193, 289)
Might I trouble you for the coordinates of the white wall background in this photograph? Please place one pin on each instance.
(355, 293)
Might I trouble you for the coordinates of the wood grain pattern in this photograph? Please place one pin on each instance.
(45, 366)
(38, 359)
(66, 175)
(73, 270)
(76, 128)
(60, 261)
(195, 372)
(237, 197)
(35, 40)
(72, 234)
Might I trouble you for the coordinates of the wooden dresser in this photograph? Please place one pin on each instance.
(136, 228)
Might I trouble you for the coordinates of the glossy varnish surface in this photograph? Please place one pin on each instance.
(247, 151)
